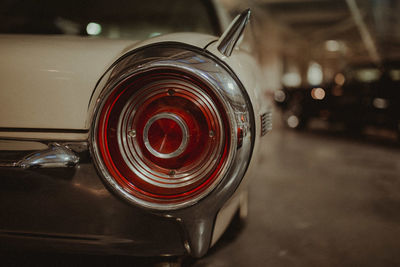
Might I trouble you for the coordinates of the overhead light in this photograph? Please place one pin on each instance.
(318, 93)
(339, 79)
(291, 79)
(279, 96)
(395, 74)
(332, 45)
(293, 121)
(380, 103)
(314, 74)
(93, 28)
(368, 75)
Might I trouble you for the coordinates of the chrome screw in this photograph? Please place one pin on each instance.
(211, 133)
(171, 92)
(132, 133)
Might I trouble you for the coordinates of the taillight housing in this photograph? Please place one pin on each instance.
(166, 131)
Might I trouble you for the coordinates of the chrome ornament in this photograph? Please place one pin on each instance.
(229, 39)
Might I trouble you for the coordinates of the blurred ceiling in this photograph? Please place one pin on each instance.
(360, 30)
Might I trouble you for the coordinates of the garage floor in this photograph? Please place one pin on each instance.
(319, 200)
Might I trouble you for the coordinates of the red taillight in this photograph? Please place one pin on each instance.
(163, 136)
(166, 135)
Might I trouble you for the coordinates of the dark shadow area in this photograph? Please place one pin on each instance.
(25, 259)
(22, 259)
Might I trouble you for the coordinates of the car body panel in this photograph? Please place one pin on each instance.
(48, 81)
(356, 104)
(72, 206)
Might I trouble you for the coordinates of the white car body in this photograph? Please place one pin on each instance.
(49, 89)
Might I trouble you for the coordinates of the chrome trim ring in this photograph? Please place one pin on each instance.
(185, 135)
(228, 90)
(130, 147)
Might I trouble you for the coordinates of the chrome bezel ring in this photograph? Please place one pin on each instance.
(182, 125)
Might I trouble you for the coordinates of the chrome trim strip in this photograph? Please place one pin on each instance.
(43, 130)
(26, 144)
(40, 136)
(231, 36)
(7, 164)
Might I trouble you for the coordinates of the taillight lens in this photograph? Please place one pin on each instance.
(164, 136)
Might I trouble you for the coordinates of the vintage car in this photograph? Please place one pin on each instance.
(361, 96)
(124, 147)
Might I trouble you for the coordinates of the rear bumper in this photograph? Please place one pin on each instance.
(69, 209)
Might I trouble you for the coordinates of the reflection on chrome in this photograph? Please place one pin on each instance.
(231, 36)
(54, 157)
(47, 154)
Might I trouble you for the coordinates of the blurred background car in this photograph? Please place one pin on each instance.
(359, 97)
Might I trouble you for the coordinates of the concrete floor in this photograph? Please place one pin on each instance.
(319, 200)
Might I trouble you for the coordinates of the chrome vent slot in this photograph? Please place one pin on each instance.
(266, 122)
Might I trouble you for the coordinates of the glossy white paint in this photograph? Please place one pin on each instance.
(13, 145)
(45, 135)
(46, 81)
(195, 39)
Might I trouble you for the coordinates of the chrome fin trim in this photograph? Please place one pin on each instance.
(227, 42)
